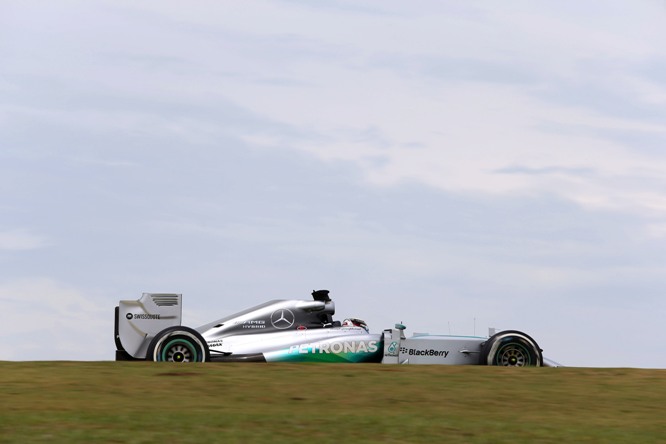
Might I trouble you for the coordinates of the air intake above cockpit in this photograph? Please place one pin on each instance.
(321, 295)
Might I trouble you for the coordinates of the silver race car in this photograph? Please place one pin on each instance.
(300, 331)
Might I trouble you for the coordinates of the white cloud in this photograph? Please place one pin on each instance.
(400, 123)
(47, 320)
(657, 231)
(21, 239)
(445, 98)
(457, 138)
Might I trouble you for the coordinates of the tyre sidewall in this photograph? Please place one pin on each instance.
(182, 335)
(490, 351)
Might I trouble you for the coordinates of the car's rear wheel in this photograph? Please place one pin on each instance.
(511, 348)
(178, 344)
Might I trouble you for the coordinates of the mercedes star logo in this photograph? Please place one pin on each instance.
(283, 318)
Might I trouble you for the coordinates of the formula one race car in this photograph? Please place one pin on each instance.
(299, 331)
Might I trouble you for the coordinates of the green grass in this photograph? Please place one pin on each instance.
(141, 402)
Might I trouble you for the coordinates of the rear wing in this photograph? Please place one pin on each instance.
(137, 322)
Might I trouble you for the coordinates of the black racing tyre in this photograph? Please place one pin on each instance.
(178, 344)
(511, 348)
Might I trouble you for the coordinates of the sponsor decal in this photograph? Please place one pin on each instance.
(301, 327)
(142, 316)
(426, 352)
(282, 318)
(392, 349)
(335, 347)
(258, 323)
(215, 343)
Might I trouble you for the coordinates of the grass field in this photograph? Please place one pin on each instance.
(129, 402)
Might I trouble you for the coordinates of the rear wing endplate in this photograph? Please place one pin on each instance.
(137, 322)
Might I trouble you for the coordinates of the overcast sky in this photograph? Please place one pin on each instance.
(451, 165)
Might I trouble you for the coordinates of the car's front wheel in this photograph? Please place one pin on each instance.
(511, 348)
(178, 344)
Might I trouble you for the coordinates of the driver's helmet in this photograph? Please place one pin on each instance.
(353, 322)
